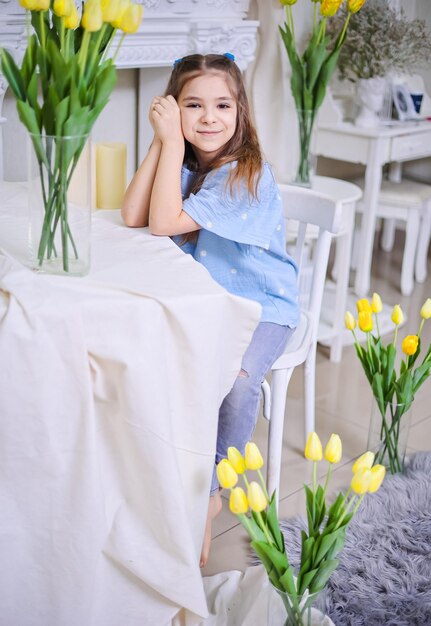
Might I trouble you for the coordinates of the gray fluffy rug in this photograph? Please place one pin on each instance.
(384, 575)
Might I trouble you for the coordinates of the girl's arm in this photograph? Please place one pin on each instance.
(166, 206)
(135, 207)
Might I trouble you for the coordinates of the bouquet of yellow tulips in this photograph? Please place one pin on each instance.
(64, 82)
(312, 70)
(326, 526)
(394, 393)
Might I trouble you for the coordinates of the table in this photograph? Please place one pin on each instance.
(109, 398)
(372, 147)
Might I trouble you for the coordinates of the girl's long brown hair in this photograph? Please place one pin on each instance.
(243, 147)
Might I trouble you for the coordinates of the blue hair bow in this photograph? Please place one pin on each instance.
(228, 55)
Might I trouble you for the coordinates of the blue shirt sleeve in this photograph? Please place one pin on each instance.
(238, 216)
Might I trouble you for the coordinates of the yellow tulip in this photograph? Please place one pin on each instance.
(253, 457)
(397, 315)
(35, 5)
(376, 303)
(313, 449)
(365, 321)
(131, 18)
(361, 481)
(236, 460)
(328, 8)
(226, 475)
(109, 10)
(365, 460)
(353, 6)
(238, 503)
(92, 16)
(349, 321)
(333, 450)
(72, 21)
(256, 498)
(363, 306)
(410, 344)
(63, 8)
(121, 9)
(377, 475)
(287, 2)
(426, 309)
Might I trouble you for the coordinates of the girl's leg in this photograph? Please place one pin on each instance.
(239, 410)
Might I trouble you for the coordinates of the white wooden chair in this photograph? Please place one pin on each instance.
(322, 215)
(406, 203)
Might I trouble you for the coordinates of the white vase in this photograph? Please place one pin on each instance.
(371, 95)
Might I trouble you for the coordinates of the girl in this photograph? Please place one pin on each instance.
(204, 180)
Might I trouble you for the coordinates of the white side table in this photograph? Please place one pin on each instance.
(334, 304)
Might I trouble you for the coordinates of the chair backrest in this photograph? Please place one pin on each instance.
(321, 214)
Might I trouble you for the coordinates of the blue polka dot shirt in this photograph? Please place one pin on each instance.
(242, 241)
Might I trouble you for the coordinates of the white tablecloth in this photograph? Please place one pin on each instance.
(109, 393)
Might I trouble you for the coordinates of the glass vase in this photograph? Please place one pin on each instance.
(305, 169)
(388, 434)
(287, 610)
(59, 201)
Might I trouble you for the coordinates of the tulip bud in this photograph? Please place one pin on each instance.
(238, 501)
(365, 321)
(353, 6)
(92, 16)
(333, 449)
(361, 481)
(109, 10)
(365, 460)
(313, 449)
(42, 5)
(256, 498)
(397, 315)
(410, 344)
(253, 457)
(63, 8)
(236, 460)
(376, 303)
(121, 9)
(377, 475)
(131, 18)
(426, 309)
(349, 321)
(363, 306)
(328, 8)
(72, 21)
(226, 475)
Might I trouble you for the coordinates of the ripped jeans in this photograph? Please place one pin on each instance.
(240, 409)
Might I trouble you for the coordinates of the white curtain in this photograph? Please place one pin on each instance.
(268, 83)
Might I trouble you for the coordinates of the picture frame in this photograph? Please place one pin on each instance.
(403, 103)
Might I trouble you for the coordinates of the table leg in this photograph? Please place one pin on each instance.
(373, 180)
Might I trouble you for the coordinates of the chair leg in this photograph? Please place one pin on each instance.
(310, 391)
(421, 269)
(279, 383)
(408, 267)
(387, 239)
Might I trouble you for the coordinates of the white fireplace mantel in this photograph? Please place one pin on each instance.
(170, 29)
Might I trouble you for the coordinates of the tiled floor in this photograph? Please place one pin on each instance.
(343, 402)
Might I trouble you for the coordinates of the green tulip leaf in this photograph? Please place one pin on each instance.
(287, 581)
(323, 575)
(28, 66)
(274, 526)
(12, 75)
(305, 581)
(278, 559)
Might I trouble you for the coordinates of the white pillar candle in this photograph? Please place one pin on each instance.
(111, 159)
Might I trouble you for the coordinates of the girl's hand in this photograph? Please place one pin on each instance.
(165, 118)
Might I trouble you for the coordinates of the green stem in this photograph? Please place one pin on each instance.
(262, 482)
(42, 28)
(343, 32)
(264, 528)
(118, 47)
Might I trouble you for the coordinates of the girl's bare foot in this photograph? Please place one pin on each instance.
(214, 508)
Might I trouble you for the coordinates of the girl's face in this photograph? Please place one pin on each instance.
(208, 114)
